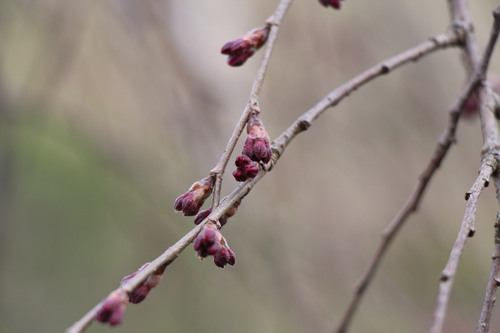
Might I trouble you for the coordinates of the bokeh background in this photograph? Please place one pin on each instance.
(111, 109)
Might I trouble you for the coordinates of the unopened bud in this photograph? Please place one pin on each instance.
(224, 256)
(239, 50)
(246, 168)
(257, 145)
(208, 241)
(334, 3)
(191, 201)
(112, 309)
(142, 291)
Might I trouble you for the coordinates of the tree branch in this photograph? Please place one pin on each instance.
(483, 325)
(302, 123)
(491, 139)
(279, 145)
(253, 103)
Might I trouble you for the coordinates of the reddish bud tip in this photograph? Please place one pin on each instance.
(208, 241)
(191, 201)
(239, 50)
(246, 168)
(139, 294)
(112, 309)
(240, 175)
(257, 145)
(202, 215)
(224, 256)
(333, 3)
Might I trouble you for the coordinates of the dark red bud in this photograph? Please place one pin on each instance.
(239, 50)
(202, 215)
(139, 294)
(334, 3)
(252, 170)
(224, 256)
(242, 161)
(257, 145)
(208, 241)
(112, 309)
(191, 201)
(240, 175)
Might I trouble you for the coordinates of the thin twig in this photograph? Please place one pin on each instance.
(489, 165)
(302, 123)
(483, 325)
(491, 139)
(447, 138)
(278, 145)
(274, 22)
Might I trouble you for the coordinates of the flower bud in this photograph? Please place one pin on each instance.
(239, 50)
(202, 215)
(191, 201)
(257, 145)
(112, 309)
(224, 256)
(334, 3)
(208, 241)
(246, 168)
(142, 291)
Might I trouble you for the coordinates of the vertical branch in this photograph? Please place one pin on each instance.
(491, 139)
(466, 230)
(274, 22)
(483, 325)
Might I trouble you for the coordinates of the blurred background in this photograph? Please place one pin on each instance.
(111, 109)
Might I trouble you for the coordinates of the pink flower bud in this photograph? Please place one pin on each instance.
(334, 3)
(239, 50)
(224, 256)
(257, 145)
(191, 201)
(112, 309)
(208, 241)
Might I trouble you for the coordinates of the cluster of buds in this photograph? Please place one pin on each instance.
(223, 219)
(245, 168)
(140, 293)
(112, 309)
(191, 201)
(256, 149)
(239, 50)
(210, 242)
(334, 3)
(257, 145)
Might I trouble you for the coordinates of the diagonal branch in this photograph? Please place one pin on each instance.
(253, 103)
(489, 166)
(279, 145)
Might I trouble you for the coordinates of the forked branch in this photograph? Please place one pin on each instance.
(489, 166)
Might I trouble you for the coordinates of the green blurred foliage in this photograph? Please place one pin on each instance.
(110, 110)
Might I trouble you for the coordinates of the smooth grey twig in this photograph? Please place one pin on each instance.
(491, 140)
